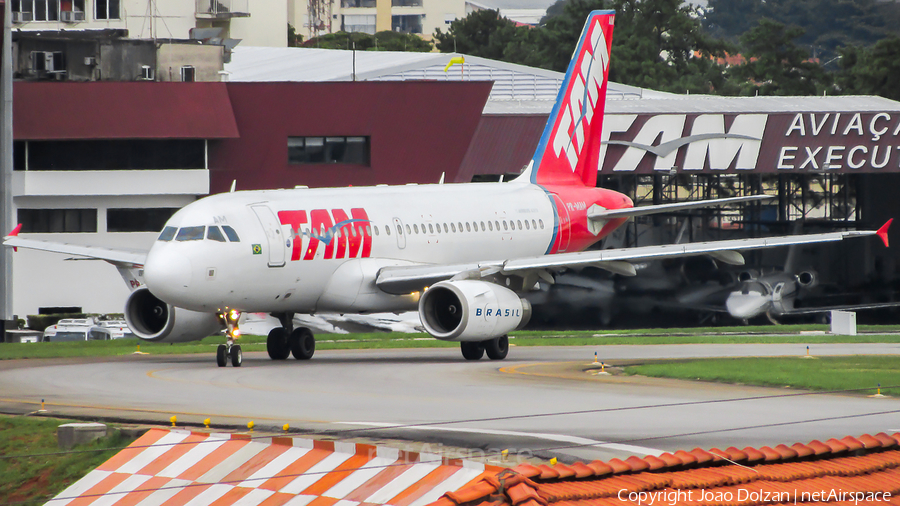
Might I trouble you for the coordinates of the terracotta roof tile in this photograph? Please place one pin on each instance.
(785, 451)
(618, 466)
(686, 458)
(637, 464)
(654, 463)
(886, 440)
(702, 456)
(564, 471)
(527, 470)
(753, 454)
(735, 455)
(522, 493)
(468, 494)
(670, 459)
(581, 470)
(818, 447)
(869, 441)
(547, 472)
(600, 468)
(802, 450)
(770, 454)
(852, 443)
(836, 446)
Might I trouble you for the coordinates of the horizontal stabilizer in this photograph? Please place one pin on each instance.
(668, 208)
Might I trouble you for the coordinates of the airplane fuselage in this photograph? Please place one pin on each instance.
(309, 250)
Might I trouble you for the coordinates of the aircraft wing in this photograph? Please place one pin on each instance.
(848, 307)
(606, 214)
(114, 256)
(407, 279)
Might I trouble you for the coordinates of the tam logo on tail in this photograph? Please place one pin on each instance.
(569, 150)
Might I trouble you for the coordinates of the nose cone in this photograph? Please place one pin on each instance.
(747, 305)
(167, 273)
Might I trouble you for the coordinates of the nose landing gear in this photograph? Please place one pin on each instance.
(230, 350)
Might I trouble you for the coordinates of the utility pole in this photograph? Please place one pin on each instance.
(6, 167)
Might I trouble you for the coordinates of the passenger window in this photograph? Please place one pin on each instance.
(190, 234)
(504, 225)
(408, 230)
(376, 229)
(231, 234)
(215, 234)
(387, 229)
(368, 231)
(453, 227)
(459, 226)
(430, 228)
(497, 224)
(482, 227)
(468, 228)
(519, 222)
(167, 234)
(415, 228)
(490, 226)
(446, 230)
(533, 225)
(527, 226)
(541, 223)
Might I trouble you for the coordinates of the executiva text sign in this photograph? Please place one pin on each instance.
(753, 142)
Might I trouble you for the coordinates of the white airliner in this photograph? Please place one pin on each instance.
(460, 253)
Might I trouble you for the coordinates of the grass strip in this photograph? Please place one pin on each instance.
(40, 478)
(384, 340)
(815, 373)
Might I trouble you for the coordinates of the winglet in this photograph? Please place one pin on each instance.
(14, 233)
(882, 232)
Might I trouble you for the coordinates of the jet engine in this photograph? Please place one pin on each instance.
(471, 310)
(807, 279)
(153, 320)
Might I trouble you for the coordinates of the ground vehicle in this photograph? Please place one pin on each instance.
(118, 329)
(76, 329)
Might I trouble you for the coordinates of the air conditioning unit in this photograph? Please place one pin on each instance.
(90, 61)
(71, 16)
(22, 17)
(146, 73)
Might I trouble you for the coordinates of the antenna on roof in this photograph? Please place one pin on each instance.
(442, 178)
(233, 184)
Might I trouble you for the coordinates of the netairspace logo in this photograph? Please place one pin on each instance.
(749, 495)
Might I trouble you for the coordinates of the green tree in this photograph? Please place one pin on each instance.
(381, 41)
(482, 33)
(873, 71)
(775, 64)
(657, 44)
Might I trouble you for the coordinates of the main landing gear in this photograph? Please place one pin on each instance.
(285, 340)
(496, 349)
(229, 350)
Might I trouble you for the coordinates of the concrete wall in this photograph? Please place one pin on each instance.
(206, 60)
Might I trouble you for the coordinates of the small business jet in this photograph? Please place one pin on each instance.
(459, 253)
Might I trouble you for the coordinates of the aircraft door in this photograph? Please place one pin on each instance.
(401, 235)
(276, 241)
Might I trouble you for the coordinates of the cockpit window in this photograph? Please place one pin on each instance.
(167, 234)
(232, 235)
(215, 234)
(190, 234)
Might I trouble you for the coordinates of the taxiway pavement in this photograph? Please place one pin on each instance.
(536, 402)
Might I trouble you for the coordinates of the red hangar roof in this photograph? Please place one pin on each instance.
(122, 110)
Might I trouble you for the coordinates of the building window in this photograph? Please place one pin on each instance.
(138, 220)
(57, 220)
(358, 3)
(106, 9)
(407, 23)
(319, 150)
(364, 23)
(132, 154)
(188, 73)
(406, 3)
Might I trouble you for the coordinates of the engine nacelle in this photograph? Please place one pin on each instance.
(807, 279)
(153, 320)
(471, 310)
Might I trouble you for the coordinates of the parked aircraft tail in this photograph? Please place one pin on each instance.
(569, 150)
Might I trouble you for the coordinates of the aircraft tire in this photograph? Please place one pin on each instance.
(222, 355)
(237, 358)
(497, 349)
(277, 344)
(302, 343)
(472, 350)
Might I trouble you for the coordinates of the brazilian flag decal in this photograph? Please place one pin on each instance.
(257, 249)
